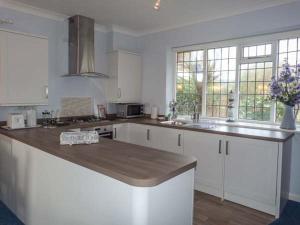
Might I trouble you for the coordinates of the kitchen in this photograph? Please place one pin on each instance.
(121, 54)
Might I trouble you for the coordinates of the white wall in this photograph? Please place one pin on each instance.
(157, 56)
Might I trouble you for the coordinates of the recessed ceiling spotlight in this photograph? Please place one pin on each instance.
(157, 5)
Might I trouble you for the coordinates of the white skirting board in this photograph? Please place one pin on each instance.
(294, 197)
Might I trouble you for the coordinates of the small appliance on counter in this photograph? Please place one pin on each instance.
(31, 120)
(130, 110)
(15, 121)
(154, 112)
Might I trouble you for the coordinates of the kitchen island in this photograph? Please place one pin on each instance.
(107, 183)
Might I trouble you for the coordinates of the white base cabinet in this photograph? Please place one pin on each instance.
(207, 148)
(151, 136)
(6, 172)
(121, 132)
(166, 139)
(251, 172)
(48, 190)
(250, 176)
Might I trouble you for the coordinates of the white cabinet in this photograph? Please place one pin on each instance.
(140, 134)
(23, 70)
(156, 137)
(6, 171)
(251, 172)
(124, 82)
(121, 132)
(167, 139)
(207, 149)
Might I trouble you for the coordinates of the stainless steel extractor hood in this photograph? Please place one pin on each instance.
(81, 47)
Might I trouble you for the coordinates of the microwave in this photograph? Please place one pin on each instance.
(130, 110)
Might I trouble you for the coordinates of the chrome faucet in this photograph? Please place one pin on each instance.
(196, 115)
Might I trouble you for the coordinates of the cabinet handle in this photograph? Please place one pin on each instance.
(115, 136)
(179, 140)
(227, 148)
(119, 93)
(46, 91)
(148, 134)
(220, 146)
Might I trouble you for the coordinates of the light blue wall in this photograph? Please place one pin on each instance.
(157, 55)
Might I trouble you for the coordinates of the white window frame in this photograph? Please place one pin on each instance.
(239, 43)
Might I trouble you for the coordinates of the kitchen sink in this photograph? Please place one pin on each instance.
(200, 125)
(172, 122)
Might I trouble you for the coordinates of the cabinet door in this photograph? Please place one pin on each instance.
(140, 134)
(26, 76)
(5, 171)
(120, 132)
(129, 77)
(167, 139)
(207, 149)
(251, 172)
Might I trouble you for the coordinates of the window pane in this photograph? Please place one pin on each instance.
(220, 80)
(289, 51)
(257, 50)
(189, 80)
(254, 91)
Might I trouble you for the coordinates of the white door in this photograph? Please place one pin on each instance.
(251, 172)
(167, 139)
(129, 77)
(120, 132)
(5, 171)
(140, 134)
(26, 77)
(207, 149)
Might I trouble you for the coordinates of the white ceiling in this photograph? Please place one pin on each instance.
(139, 16)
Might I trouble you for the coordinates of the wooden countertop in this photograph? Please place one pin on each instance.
(260, 134)
(253, 133)
(135, 165)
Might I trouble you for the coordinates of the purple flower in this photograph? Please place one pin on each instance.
(286, 87)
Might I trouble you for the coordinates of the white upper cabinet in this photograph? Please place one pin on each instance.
(23, 69)
(124, 82)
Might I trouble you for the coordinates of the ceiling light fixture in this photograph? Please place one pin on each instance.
(157, 5)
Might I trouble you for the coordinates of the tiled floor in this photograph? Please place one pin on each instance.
(209, 210)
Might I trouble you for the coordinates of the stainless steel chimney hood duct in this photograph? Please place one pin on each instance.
(81, 48)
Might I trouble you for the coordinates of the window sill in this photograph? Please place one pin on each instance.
(255, 125)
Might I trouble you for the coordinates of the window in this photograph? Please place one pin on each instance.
(257, 50)
(288, 51)
(254, 90)
(189, 80)
(205, 75)
(221, 72)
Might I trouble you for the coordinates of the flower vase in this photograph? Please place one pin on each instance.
(288, 120)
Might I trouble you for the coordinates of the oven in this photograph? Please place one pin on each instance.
(105, 131)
